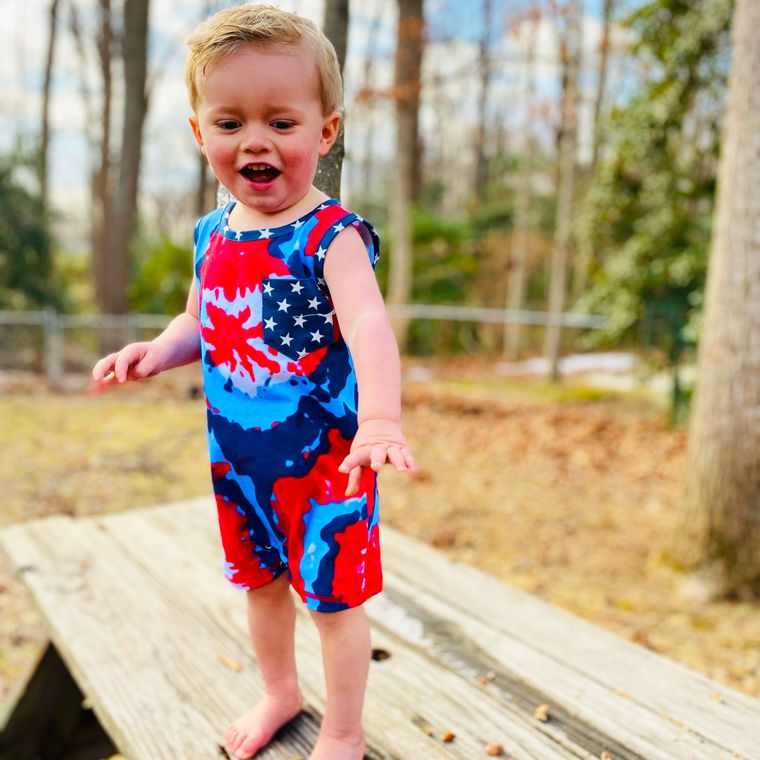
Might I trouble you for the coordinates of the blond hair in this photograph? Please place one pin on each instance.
(263, 25)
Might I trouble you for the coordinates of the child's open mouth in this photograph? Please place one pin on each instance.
(260, 174)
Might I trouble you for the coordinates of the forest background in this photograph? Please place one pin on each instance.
(526, 159)
(633, 90)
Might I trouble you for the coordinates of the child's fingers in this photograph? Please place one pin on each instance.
(396, 458)
(353, 481)
(378, 456)
(355, 458)
(409, 459)
(102, 366)
(126, 358)
(98, 385)
(146, 366)
(348, 463)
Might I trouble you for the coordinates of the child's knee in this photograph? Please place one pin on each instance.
(275, 589)
(329, 620)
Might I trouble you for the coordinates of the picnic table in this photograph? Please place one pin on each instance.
(149, 656)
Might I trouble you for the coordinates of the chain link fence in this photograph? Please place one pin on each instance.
(54, 344)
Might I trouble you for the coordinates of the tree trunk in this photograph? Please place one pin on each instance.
(484, 75)
(407, 97)
(523, 198)
(101, 194)
(122, 228)
(205, 189)
(585, 254)
(329, 167)
(719, 531)
(45, 126)
(565, 189)
(604, 57)
(368, 87)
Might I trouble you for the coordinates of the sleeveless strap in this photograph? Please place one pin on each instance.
(332, 220)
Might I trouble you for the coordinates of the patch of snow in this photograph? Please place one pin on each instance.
(612, 361)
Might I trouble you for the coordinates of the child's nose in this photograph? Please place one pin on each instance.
(255, 139)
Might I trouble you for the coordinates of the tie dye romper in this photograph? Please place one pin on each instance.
(281, 400)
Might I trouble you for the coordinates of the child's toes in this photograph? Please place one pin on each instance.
(233, 738)
(246, 749)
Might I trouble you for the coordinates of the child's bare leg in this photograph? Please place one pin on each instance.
(346, 652)
(271, 619)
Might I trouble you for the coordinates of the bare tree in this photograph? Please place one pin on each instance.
(367, 97)
(101, 178)
(207, 189)
(601, 82)
(585, 253)
(719, 528)
(329, 167)
(523, 198)
(46, 86)
(568, 136)
(407, 98)
(122, 228)
(484, 77)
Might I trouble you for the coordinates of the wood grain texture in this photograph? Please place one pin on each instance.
(137, 605)
(637, 697)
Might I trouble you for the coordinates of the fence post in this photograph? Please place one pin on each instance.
(130, 327)
(53, 345)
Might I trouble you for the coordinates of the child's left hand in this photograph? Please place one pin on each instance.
(376, 442)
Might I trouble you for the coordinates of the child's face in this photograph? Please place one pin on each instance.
(259, 122)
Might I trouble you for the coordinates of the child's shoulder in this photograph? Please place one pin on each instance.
(334, 218)
(335, 212)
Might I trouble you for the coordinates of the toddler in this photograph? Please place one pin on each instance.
(300, 366)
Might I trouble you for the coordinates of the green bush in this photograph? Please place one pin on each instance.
(162, 279)
(26, 262)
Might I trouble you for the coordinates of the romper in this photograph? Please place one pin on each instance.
(281, 399)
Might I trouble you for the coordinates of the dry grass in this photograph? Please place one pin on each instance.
(572, 500)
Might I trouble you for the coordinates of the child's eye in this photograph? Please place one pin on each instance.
(228, 124)
(282, 124)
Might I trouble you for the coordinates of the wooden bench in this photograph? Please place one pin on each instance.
(155, 639)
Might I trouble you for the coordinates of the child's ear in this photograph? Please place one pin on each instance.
(197, 133)
(329, 133)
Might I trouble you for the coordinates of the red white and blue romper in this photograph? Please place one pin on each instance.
(281, 399)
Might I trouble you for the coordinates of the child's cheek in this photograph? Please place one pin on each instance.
(302, 156)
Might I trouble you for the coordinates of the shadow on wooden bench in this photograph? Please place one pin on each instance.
(156, 640)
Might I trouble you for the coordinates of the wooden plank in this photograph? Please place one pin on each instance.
(605, 692)
(151, 671)
(141, 576)
(408, 688)
(445, 642)
(636, 696)
(158, 573)
(441, 638)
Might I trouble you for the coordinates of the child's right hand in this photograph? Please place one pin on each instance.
(134, 362)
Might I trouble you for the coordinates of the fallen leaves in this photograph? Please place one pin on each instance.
(231, 664)
(541, 713)
(502, 485)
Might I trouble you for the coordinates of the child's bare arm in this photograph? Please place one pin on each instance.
(178, 344)
(366, 329)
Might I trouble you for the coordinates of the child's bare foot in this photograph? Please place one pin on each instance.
(253, 729)
(344, 747)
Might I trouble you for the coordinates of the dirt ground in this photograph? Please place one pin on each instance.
(567, 492)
